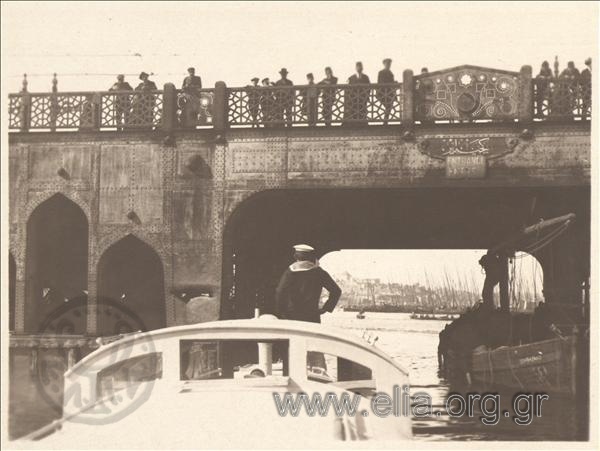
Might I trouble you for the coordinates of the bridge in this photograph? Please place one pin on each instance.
(182, 206)
(142, 209)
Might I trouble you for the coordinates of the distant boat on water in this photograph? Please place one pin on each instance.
(437, 316)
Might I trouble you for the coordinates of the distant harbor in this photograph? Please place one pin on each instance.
(453, 296)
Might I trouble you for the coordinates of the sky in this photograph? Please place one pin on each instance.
(234, 42)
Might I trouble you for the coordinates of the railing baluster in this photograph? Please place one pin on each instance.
(526, 97)
(25, 111)
(408, 89)
(54, 104)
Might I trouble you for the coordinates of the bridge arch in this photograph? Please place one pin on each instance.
(37, 199)
(262, 228)
(56, 262)
(131, 274)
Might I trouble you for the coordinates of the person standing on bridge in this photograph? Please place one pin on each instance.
(424, 96)
(585, 84)
(285, 98)
(309, 97)
(191, 86)
(328, 94)
(267, 103)
(356, 98)
(542, 84)
(122, 102)
(387, 95)
(299, 290)
(254, 101)
(567, 90)
(192, 83)
(142, 112)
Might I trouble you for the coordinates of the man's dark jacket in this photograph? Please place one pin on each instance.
(299, 290)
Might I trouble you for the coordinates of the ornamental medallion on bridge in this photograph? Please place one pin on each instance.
(467, 93)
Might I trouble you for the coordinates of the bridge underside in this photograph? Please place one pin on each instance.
(261, 231)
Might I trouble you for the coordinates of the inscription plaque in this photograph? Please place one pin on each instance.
(466, 166)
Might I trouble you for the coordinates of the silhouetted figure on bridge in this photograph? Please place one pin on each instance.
(254, 101)
(309, 97)
(386, 96)
(192, 83)
(566, 92)
(425, 98)
(356, 98)
(267, 102)
(285, 98)
(585, 83)
(142, 111)
(542, 82)
(328, 94)
(190, 98)
(121, 103)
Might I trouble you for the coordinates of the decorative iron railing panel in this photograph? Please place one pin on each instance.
(195, 109)
(315, 105)
(560, 99)
(129, 109)
(467, 93)
(86, 110)
(15, 111)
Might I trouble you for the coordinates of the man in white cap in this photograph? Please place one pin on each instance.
(299, 290)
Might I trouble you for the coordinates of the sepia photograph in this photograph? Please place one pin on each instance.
(299, 225)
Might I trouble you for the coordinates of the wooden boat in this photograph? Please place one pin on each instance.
(176, 388)
(543, 366)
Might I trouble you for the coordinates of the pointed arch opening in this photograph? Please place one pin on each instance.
(130, 278)
(56, 266)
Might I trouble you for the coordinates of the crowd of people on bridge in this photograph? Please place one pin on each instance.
(563, 94)
(268, 103)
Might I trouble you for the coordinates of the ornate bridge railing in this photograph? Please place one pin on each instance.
(314, 105)
(86, 110)
(460, 94)
(562, 99)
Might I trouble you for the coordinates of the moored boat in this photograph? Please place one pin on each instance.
(543, 366)
(528, 351)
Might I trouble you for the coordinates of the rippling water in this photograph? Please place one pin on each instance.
(413, 344)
